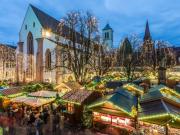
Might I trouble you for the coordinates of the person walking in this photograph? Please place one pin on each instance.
(39, 126)
(31, 129)
(56, 124)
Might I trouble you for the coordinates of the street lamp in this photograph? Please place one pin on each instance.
(46, 33)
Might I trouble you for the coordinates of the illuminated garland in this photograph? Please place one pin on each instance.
(16, 95)
(132, 113)
(153, 116)
(160, 116)
(67, 101)
(131, 87)
(165, 90)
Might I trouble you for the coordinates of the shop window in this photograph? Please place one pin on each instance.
(70, 108)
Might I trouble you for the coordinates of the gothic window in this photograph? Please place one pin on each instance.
(34, 24)
(48, 59)
(25, 27)
(30, 46)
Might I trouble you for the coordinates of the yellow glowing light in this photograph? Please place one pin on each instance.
(46, 33)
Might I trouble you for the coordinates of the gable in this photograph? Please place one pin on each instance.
(28, 21)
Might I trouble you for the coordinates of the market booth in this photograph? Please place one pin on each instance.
(160, 111)
(37, 99)
(45, 94)
(116, 110)
(9, 93)
(74, 102)
(32, 101)
(68, 86)
(131, 87)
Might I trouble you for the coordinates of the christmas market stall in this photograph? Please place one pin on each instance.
(116, 110)
(134, 88)
(32, 101)
(9, 93)
(75, 101)
(113, 84)
(45, 94)
(68, 86)
(160, 111)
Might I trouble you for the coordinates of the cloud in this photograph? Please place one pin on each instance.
(124, 16)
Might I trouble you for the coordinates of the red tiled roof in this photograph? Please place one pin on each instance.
(10, 91)
(77, 96)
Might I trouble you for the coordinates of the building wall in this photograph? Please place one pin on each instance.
(108, 42)
(28, 21)
(7, 63)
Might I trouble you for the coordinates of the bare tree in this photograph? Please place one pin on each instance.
(128, 56)
(78, 30)
(125, 55)
(159, 54)
(103, 60)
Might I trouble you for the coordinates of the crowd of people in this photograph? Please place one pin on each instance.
(37, 121)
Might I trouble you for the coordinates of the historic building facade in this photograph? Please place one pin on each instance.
(37, 55)
(7, 62)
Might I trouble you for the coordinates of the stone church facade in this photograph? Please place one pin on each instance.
(36, 52)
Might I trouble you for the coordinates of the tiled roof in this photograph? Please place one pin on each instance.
(43, 93)
(77, 96)
(159, 112)
(158, 93)
(107, 27)
(32, 101)
(73, 85)
(121, 99)
(10, 91)
(46, 20)
(113, 84)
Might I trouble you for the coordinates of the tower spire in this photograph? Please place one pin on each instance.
(147, 35)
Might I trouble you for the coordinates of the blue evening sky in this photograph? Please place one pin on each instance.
(125, 16)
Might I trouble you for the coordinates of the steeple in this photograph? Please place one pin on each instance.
(107, 32)
(147, 35)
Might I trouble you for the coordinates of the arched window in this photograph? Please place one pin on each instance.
(48, 59)
(30, 46)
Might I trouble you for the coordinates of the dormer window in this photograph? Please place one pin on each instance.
(34, 24)
(25, 27)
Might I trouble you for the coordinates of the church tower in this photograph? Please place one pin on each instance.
(148, 48)
(107, 36)
(147, 35)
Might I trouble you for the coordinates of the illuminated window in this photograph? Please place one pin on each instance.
(70, 108)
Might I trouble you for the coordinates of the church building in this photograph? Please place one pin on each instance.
(36, 55)
(36, 51)
(107, 34)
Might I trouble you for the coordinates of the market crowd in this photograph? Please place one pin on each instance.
(37, 121)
